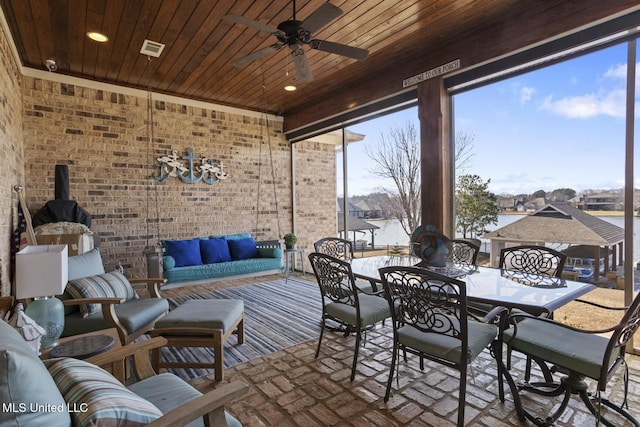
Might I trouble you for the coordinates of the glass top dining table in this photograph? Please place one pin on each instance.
(533, 293)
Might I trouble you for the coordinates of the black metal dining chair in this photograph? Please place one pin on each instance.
(336, 247)
(463, 252)
(342, 249)
(577, 355)
(533, 259)
(431, 320)
(536, 260)
(342, 302)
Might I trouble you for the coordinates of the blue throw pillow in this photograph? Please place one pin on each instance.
(185, 252)
(243, 248)
(214, 250)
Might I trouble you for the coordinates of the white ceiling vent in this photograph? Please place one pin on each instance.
(151, 48)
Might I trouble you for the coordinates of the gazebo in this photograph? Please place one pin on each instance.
(356, 224)
(562, 223)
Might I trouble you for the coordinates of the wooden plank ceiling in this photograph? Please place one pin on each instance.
(201, 45)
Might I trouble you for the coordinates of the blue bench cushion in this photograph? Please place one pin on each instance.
(214, 250)
(243, 248)
(184, 252)
(205, 313)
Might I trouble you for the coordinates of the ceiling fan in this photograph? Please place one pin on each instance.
(294, 34)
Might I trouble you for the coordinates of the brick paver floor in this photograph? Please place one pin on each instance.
(292, 388)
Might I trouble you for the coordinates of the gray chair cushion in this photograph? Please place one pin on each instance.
(372, 309)
(446, 347)
(555, 344)
(205, 313)
(133, 315)
(24, 380)
(136, 313)
(167, 391)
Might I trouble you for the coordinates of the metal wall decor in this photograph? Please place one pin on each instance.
(206, 170)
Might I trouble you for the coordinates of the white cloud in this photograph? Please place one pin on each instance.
(526, 93)
(607, 102)
(587, 106)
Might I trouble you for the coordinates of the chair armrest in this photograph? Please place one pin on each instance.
(496, 315)
(152, 285)
(605, 307)
(516, 317)
(209, 405)
(103, 301)
(114, 360)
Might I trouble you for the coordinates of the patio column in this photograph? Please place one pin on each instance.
(436, 157)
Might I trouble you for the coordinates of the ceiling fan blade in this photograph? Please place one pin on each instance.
(302, 65)
(255, 55)
(339, 49)
(252, 24)
(321, 17)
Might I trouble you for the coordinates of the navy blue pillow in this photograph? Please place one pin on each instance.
(185, 252)
(214, 250)
(243, 248)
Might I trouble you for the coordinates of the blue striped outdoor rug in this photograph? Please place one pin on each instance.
(277, 315)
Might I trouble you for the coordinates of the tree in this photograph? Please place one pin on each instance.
(397, 157)
(562, 194)
(463, 151)
(540, 194)
(476, 206)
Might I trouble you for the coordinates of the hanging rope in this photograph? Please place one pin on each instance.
(264, 123)
(151, 150)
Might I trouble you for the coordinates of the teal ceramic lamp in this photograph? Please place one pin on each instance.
(41, 274)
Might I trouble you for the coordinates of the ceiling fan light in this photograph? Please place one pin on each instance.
(290, 88)
(98, 37)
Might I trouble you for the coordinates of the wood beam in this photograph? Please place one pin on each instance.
(434, 113)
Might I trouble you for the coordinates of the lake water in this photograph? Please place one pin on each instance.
(391, 232)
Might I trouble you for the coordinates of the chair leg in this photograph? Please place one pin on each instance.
(322, 325)
(394, 357)
(355, 354)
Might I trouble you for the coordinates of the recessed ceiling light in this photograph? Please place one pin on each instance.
(97, 37)
(290, 88)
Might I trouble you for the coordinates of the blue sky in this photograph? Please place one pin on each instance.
(561, 126)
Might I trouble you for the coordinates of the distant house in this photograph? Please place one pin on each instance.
(364, 207)
(535, 204)
(607, 201)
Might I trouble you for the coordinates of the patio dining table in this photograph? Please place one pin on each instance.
(533, 293)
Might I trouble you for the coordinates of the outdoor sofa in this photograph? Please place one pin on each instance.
(218, 256)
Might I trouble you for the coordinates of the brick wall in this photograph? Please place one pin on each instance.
(103, 138)
(315, 183)
(12, 171)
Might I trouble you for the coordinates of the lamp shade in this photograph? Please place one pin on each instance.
(41, 270)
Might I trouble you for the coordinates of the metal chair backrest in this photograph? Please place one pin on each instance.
(533, 259)
(336, 247)
(428, 301)
(335, 278)
(463, 252)
(622, 333)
